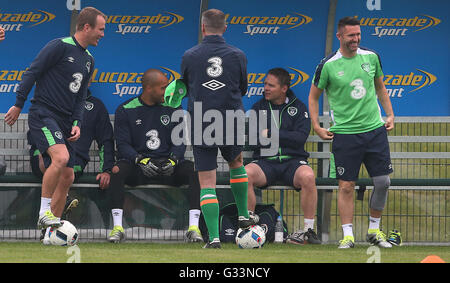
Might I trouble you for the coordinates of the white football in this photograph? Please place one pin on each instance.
(65, 235)
(252, 237)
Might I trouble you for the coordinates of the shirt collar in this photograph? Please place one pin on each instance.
(78, 44)
(213, 38)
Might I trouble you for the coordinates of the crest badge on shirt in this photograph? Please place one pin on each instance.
(59, 135)
(366, 67)
(292, 110)
(165, 119)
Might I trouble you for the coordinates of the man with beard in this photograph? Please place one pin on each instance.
(353, 80)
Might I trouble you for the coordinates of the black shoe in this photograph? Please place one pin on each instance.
(215, 244)
(311, 237)
(303, 237)
(41, 237)
(71, 203)
(253, 219)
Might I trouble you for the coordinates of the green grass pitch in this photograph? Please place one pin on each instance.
(132, 252)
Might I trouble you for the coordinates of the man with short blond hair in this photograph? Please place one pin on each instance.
(61, 72)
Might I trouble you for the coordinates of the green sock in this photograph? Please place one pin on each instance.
(239, 187)
(210, 209)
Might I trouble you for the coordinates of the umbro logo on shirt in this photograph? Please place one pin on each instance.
(213, 85)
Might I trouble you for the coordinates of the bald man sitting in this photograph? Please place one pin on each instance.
(146, 153)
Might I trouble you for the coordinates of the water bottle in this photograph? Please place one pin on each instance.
(279, 230)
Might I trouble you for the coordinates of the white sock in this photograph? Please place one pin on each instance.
(308, 224)
(45, 205)
(374, 223)
(117, 216)
(194, 216)
(347, 229)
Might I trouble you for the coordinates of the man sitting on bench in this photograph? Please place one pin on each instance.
(290, 165)
(146, 153)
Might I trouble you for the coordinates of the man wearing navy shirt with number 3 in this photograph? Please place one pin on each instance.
(61, 72)
(216, 77)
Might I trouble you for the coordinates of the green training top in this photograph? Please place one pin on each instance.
(349, 85)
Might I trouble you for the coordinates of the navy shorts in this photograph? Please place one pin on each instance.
(205, 158)
(277, 171)
(47, 129)
(34, 162)
(351, 150)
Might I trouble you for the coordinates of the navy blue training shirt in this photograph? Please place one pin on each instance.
(146, 130)
(216, 74)
(97, 127)
(61, 71)
(294, 125)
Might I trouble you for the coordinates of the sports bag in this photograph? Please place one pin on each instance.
(228, 222)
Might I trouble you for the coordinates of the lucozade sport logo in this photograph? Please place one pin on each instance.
(268, 24)
(396, 85)
(14, 21)
(128, 83)
(387, 26)
(9, 80)
(136, 24)
(256, 81)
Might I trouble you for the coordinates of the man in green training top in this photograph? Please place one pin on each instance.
(353, 80)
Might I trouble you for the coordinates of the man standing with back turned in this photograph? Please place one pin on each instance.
(353, 80)
(216, 77)
(61, 72)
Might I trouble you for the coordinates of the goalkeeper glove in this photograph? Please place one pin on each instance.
(147, 166)
(168, 167)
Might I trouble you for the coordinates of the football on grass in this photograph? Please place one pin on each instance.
(252, 237)
(65, 235)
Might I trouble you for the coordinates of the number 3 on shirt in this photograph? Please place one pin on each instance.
(359, 91)
(153, 142)
(76, 84)
(215, 69)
